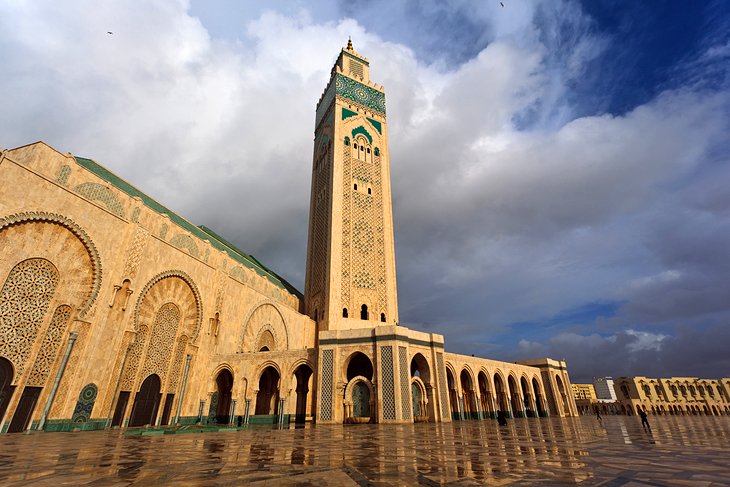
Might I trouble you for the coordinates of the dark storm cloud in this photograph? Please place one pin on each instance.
(519, 196)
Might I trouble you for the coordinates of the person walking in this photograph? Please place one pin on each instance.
(644, 419)
(598, 414)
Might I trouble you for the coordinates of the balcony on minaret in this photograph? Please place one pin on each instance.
(352, 64)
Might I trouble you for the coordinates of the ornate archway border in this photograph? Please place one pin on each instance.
(246, 320)
(189, 281)
(42, 216)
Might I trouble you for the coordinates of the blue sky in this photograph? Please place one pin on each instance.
(574, 154)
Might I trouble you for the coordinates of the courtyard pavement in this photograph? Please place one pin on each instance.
(615, 452)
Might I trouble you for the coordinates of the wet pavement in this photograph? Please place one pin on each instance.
(616, 452)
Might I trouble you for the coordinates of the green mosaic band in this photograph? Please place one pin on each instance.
(359, 93)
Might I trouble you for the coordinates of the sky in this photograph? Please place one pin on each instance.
(560, 169)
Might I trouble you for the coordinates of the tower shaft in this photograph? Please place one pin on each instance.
(350, 280)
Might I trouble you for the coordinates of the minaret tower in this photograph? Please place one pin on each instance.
(350, 281)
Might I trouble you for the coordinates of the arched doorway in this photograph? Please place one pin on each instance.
(358, 395)
(538, 397)
(563, 396)
(468, 395)
(359, 364)
(485, 395)
(6, 387)
(146, 402)
(514, 394)
(501, 395)
(302, 375)
(527, 398)
(453, 397)
(421, 389)
(360, 400)
(224, 384)
(267, 399)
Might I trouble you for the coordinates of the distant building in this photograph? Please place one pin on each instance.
(674, 395)
(583, 391)
(604, 388)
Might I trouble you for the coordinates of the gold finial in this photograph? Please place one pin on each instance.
(349, 44)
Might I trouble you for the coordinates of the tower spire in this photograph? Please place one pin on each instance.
(349, 44)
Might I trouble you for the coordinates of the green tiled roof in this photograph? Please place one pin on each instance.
(201, 232)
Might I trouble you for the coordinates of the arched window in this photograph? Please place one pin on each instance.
(347, 141)
(377, 151)
(364, 312)
(344, 312)
(354, 146)
(355, 186)
(382, 317)
(370, 191)
(315, 314)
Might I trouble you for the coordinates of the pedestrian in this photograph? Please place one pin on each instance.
(501, 418)
(598, 414)
(644, 420)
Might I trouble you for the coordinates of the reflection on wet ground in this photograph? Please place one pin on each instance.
(678, 451)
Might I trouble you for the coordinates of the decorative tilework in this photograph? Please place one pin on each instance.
(177, 364)
(320, 234)
(327, 373)
(41, 216)
(63, 175)
(162, 340)
(348, 113)
(99, 193)
(361, 130)
(185, 242)
(135, 357)
(442, 385)
(85, 404)
(134, 253)
(24, 301)
(405, 398)
(388, 378)
(49, 348)
(239, 274)
(360, 93)
(72, 367)
(376, 125)
(324, 103)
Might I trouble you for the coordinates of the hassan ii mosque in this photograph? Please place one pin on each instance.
(116, 311)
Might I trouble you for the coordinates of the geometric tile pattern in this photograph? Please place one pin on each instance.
(359, 93)
(24, 300)
(49, 348)
(387, 376)
(85, 404)
(327, 365)
(405, 389)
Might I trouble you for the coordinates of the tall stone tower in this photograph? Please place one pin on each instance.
(350, 281)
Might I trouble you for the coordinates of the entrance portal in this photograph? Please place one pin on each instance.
(360, 400)
(267, 399)
(302, 374)
(25, 408)
(224, 381)
(6, 389)
(146, 402)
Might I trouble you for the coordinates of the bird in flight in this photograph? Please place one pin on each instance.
(110, 33)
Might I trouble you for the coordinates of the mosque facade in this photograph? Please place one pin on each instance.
(117, 312)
